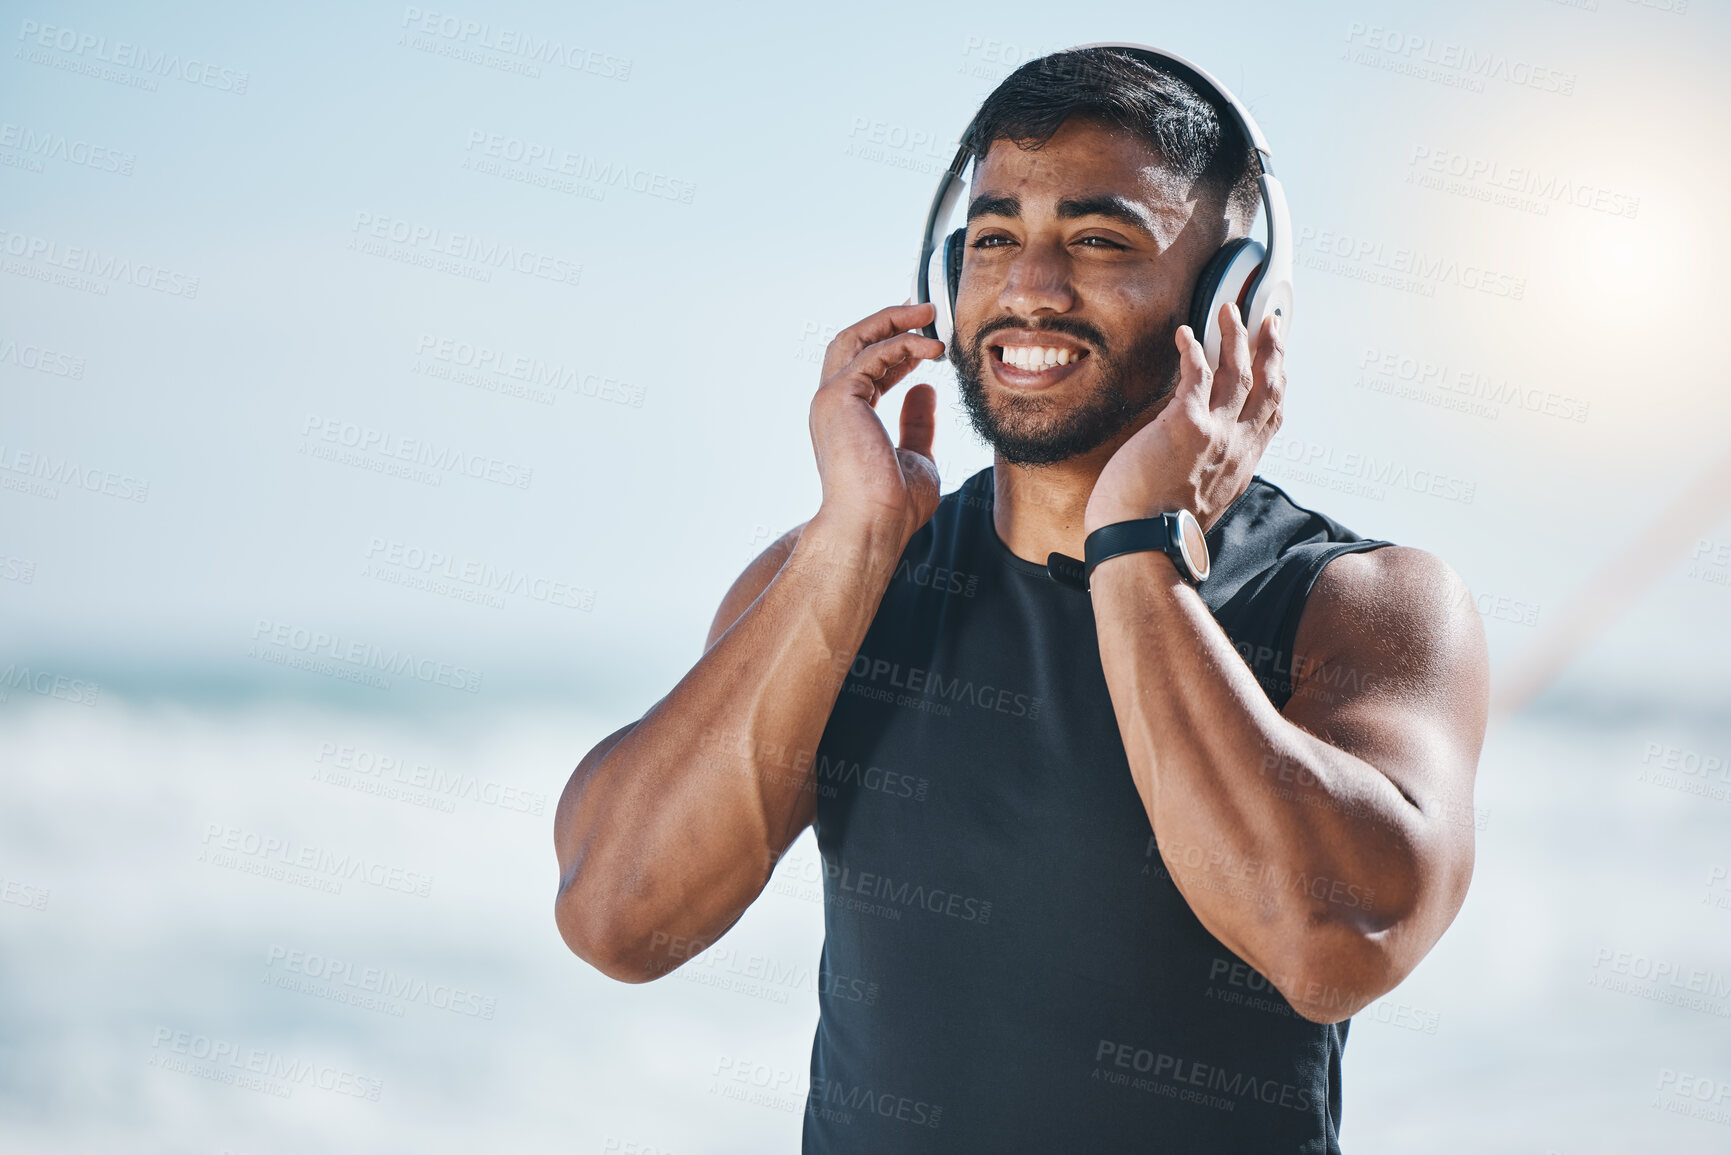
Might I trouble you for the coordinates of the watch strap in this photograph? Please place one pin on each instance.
(1148, 534)
(1144, 535)
(1067, 571)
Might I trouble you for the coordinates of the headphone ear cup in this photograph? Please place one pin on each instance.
(953, 247)
(1224, 278)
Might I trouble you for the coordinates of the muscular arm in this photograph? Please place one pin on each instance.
(670, 827)
(1324, 845)
(1330, 845)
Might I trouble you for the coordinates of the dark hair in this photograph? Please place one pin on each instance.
(1123, 89)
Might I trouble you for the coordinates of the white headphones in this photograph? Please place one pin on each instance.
(1257, 276)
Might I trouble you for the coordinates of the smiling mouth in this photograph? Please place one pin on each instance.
(1030, 364)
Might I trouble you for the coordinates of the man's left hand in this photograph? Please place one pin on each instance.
(1200, 452)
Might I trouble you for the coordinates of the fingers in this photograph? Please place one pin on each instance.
(882, 324)
(919, 420)
(1194, 376)
(880, 367)
(1233, 380)
(1268, 392)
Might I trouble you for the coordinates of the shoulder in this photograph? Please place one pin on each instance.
(1402, 611)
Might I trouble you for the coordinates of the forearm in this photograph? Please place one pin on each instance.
(1297, 855)
(673, 831)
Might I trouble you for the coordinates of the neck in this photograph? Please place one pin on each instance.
(1038, 510)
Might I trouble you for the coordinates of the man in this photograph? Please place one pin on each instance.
(1120, 860)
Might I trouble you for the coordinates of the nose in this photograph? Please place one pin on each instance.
(1038, 283)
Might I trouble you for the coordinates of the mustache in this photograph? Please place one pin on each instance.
(1069, 326)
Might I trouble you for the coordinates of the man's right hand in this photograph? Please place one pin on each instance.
(866, 480)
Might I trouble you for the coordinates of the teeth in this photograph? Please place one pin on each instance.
(1034, 358)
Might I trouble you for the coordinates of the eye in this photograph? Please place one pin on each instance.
(1100, 243)
(991, 241)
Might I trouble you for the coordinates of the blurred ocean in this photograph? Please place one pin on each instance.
(178, 973)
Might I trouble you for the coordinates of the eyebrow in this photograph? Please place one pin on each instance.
(990, 206)
(1121, 209)
(1117, 208)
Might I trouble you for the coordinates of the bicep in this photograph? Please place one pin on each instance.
(746, 589)
(1391, 667)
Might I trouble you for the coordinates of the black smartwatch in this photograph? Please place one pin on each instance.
(1177, 535)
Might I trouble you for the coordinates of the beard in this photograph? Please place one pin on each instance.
(1037, 430)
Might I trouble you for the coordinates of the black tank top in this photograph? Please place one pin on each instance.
(1007, 965)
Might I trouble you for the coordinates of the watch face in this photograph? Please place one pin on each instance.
(1192, 544)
